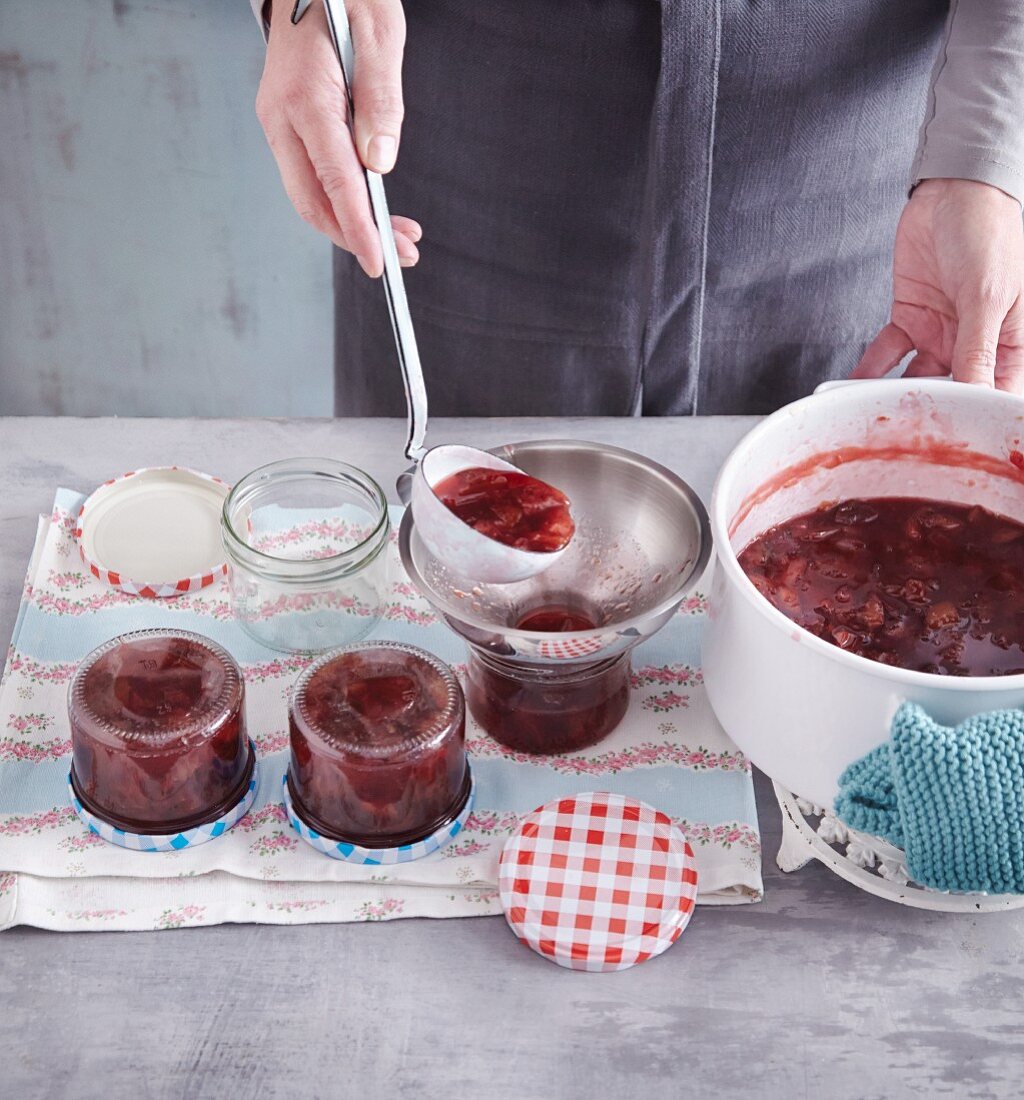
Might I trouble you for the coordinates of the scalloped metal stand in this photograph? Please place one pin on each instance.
(809, 832)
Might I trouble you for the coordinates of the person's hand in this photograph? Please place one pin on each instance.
(304, 112)
(958, 288)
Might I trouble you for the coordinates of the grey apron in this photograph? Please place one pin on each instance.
(681, 207)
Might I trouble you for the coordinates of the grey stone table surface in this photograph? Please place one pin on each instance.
(820, 991)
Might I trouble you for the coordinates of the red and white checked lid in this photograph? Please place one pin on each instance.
(154, 532)
(598, 881)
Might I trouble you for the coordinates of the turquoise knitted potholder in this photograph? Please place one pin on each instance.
(952, 799)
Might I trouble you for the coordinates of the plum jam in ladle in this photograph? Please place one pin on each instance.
(461, 546)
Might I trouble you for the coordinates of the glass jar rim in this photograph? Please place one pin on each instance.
(561, 672)
(443, 721)
(345, 561)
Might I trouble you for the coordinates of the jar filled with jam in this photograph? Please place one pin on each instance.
(555, 707)
(158, 734)
(378, 746)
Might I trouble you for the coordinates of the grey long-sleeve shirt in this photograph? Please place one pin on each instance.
(973, 126)
(974, 122)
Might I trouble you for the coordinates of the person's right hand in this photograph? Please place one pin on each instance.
(303, 108)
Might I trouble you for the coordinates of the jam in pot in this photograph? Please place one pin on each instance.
(548, 708)
(919, 584)
(509, 507)
(158, 732)
(378, 745)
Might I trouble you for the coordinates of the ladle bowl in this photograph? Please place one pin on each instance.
(642, 542)
(466, 552)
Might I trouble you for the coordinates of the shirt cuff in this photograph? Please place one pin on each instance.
(952, 160)
(257, 10)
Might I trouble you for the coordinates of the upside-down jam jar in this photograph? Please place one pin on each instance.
(158, 734)
(378, 745)
(547, 708)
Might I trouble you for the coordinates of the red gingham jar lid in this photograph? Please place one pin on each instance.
(598, 881)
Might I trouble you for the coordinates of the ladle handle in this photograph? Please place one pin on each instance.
(394, 284)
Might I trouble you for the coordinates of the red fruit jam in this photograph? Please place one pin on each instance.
(919, 584)
(378, 745)
(548, 708)
(509, 507)
(158, 732)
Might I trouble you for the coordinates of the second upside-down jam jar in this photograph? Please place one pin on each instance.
(378, 745)
(158, 734)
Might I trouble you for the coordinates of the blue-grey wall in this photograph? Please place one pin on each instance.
(149, 261)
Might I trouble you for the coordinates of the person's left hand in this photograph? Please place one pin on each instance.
(958, 288)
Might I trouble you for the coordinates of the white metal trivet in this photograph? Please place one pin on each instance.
(810, 832)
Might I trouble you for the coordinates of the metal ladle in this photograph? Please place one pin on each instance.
(459, 546)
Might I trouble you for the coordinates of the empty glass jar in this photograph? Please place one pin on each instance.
(306, 542)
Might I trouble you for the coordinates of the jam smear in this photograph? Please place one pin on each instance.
(919, 584)
(158, 733)
(378, 746)
(509, 507)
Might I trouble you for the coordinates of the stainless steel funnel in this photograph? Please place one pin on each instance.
(642, 541)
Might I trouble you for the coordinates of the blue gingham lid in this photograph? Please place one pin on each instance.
(171, 842)
(355, 853)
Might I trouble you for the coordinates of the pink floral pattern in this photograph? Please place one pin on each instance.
(271, 742)
(295, 906)
(403, 613)
(95, 914)
(490, 822)
(81, 841)
(673, 675)
(41, 672)
(274, 843)
(284, 666)
(25, 824)
(725, 835)
(27, 748)
(313, 601)
(70, 579)
(273, 813)
(647, 754)
(178, 918)
(314, 539)
(380, 910)
(464, 848)
(697, 604)
(666, 701)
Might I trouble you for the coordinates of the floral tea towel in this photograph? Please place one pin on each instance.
(669, 751)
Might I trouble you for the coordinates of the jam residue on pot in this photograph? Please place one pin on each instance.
(378, 746)
(158, 733)
(509, 507)
(919, 584)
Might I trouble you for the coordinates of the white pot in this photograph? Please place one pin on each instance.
(801, 708)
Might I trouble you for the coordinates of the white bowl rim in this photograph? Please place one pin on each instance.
(885, 387)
